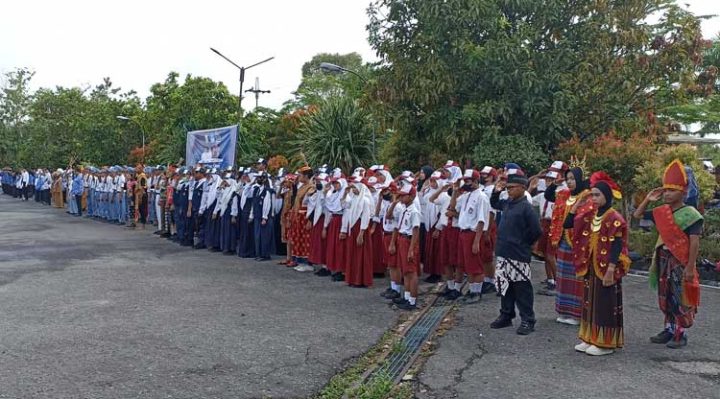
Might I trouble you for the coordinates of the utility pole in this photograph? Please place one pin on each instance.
(257, 91)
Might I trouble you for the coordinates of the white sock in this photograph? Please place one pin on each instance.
(451, 284)
(411, 299)
(489, 280)
(407, 295)
(458, 286)
(393, 286)
(551, 281)
(400, 288)
(475, 287)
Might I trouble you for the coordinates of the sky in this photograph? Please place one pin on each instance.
(137, 43)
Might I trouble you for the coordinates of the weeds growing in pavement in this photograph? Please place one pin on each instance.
(342, 383)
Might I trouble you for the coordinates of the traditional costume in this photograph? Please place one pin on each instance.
(569, 286)
(599, 246)
(299, 235)
(678, 298)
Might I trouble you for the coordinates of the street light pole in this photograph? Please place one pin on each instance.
(242, 77)
(142, 130)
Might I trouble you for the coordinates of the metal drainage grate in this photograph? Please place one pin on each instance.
(400, 360)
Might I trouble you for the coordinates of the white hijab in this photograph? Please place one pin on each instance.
(227, 195)
(333, 199)
(362, 202)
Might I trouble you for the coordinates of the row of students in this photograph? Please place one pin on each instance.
(478, 225)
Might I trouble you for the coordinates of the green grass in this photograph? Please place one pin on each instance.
(342, 383)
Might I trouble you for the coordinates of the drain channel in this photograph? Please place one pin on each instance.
(401, 358)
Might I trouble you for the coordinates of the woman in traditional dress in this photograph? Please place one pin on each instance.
(673, 272)
(569, 285)
(299, 235)
(600, 257)
(57, 190)
(316, 215)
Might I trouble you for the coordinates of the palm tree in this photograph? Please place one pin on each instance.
(339, 133)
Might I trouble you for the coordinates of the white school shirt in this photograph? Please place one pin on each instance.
(120, 184)
(109, 185)
(209, 194)
(409, 219)
(391, 223)
(546, 207)
(473, 208)
(442, 202)
(429, 210)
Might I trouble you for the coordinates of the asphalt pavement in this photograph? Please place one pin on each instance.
(473, 361)
(93, 310)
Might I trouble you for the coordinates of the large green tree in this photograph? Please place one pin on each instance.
(318, 85)
(456, 71)
(175, 108)
(704, 109)
(15, 100)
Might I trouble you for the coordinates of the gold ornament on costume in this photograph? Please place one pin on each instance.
(575, 162)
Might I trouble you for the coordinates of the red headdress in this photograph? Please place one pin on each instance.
(675, 177)
(603, 177)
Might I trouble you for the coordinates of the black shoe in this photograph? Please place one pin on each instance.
(501, 322)
(663, 338)
(453, 295)
(471, 297)
(399, 300)
(678, 343)
(487, 288)
(407, 306)
(387, 292)
(199, 246)
(338, 277)
(214, 249)
(525, 328)
(226, 253)
(444, 292)
(433, 279)
(394, 294)
(263, 259)
(165, 235)
(323, 272)
(157, 232)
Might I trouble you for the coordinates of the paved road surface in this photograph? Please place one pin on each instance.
(473, 361)
(91, 310)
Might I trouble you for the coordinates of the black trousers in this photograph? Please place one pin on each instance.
(519, 293)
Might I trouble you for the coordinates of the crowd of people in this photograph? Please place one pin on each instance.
(480, 226)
